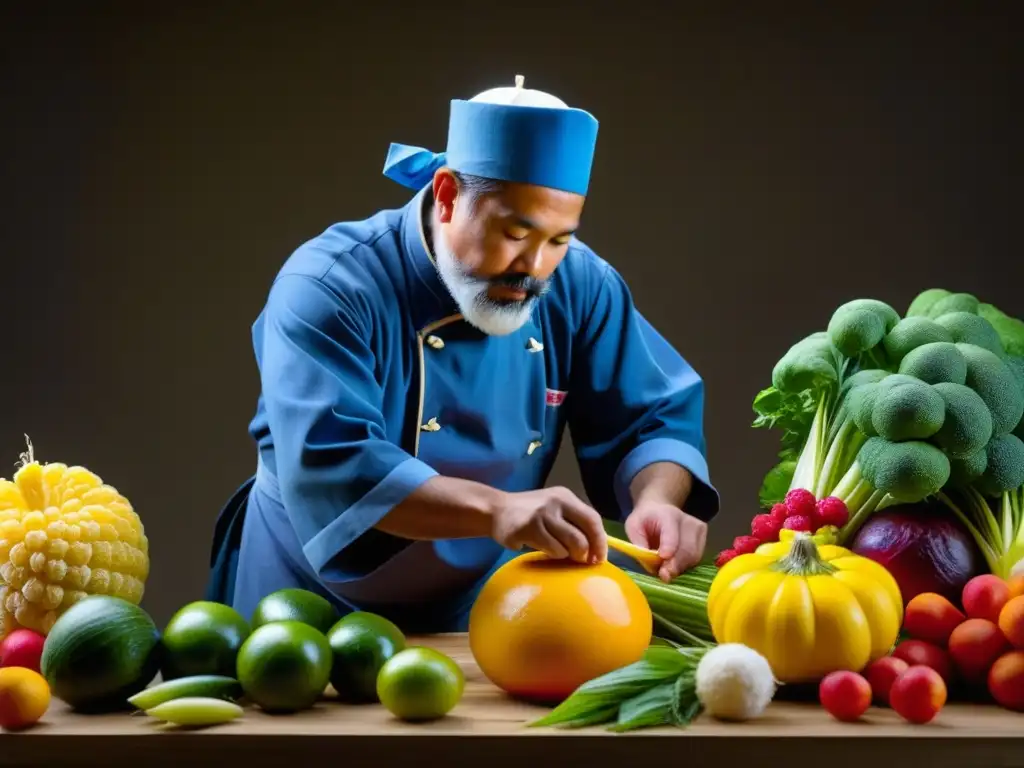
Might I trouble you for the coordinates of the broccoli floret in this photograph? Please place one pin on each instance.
(936, 362)
(860, 405)
(856, 381)
(908, 471)
(967, 426)
(868, 376)
(908, 411)
(992, 378)
(922, 304)
(860, 401)
(809, 364)
(964, 470)
(1010, 329)
(954, 302)
(860, 325)
(912, 332)
(1005, 468)
(968, 328)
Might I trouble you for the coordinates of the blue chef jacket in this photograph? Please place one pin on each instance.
(372, 383)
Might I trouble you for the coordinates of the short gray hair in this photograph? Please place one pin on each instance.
(475, 186)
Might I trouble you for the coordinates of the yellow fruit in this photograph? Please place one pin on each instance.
(24, 698)
(64, 535)
(540, 628)
(809, 609)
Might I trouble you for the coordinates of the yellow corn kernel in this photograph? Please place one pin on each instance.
(34, 521)
(99, 581)
(10, 496)
(69, 507)
(12, 530)
(19, 555)
(36, 540)
(65, 534)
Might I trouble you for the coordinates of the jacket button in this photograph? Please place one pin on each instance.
(533, 447)
(435, 342)
(431, 426)
(534, 346)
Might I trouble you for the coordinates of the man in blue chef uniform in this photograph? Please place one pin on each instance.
(418, 369)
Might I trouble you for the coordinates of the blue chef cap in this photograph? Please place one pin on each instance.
(508, 134)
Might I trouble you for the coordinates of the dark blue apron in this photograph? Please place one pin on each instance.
(227, 541)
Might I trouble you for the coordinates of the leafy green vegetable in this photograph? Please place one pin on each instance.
(997, 525)
(658, 690)
(881, 410)
(776, 483)
(1010, 329)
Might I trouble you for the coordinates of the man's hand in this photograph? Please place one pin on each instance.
(553, 521)
(677, 537)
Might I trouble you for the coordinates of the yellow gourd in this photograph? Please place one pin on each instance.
(540, 627)
(64, 534)
(809, 609)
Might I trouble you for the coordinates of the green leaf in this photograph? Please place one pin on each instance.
(685, 704)
(651, 708)
(663, 642)
(602, 694)
(681, 637)
(598, 716)
(776, 484)
(768, 402)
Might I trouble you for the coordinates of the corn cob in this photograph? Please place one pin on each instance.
(64, 535)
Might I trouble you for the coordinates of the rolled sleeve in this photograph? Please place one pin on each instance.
(704, 499)
(366, 513)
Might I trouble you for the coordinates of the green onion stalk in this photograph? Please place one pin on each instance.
(680, 607)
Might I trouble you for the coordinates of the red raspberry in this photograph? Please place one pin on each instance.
(780, 512)
(766, 527)
(799, 523)
(725, 556)
(744, 545)
(800, 501)
(832, 511)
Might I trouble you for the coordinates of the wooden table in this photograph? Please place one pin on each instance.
(488, 729)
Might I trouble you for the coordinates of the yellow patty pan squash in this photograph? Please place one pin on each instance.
(808, 608)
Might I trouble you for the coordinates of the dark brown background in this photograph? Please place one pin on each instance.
(754, 169)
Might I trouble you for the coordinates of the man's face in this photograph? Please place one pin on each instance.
(496, 251)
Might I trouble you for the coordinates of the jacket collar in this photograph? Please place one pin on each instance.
(429, 298)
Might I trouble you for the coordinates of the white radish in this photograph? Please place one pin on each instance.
(196, 711)
(734, 682)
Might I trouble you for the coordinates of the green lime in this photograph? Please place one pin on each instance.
(285, 666)
(362, 642)
(420, 684)
(295, 605)
(203, 638)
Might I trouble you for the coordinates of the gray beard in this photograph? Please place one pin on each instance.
(494, 318)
